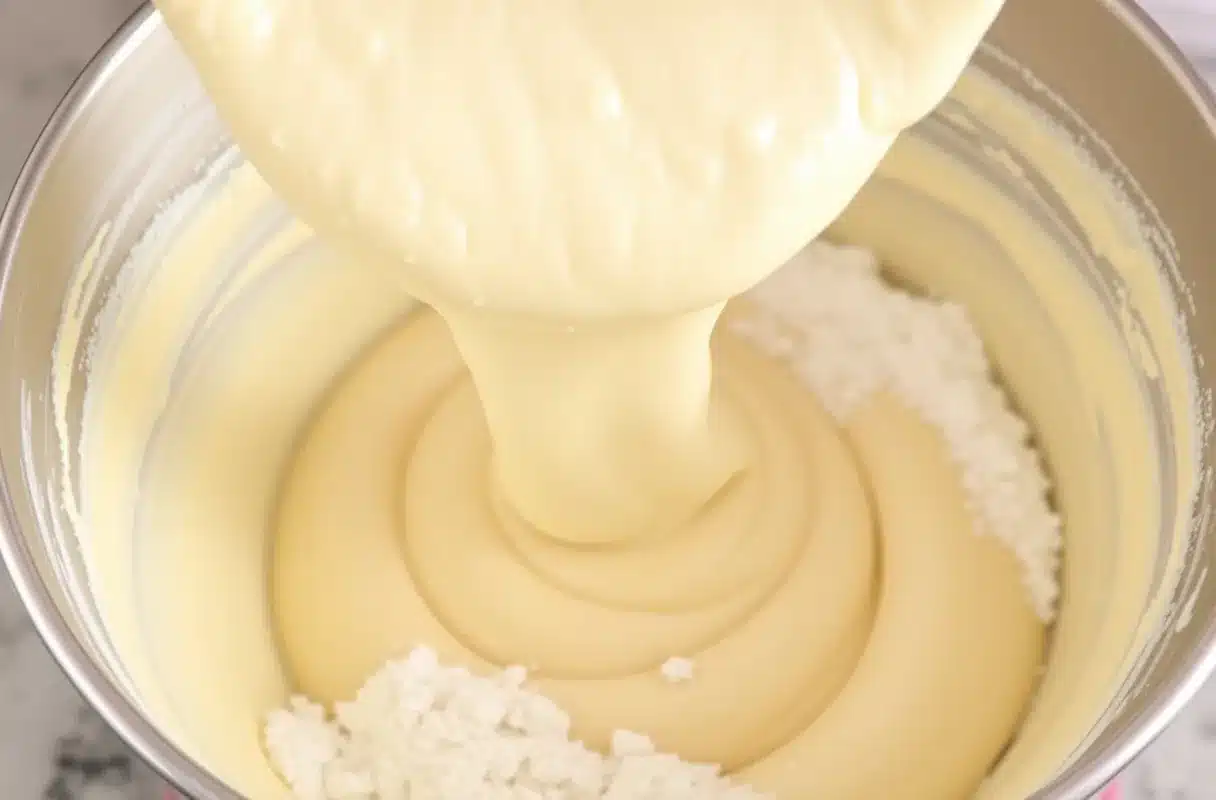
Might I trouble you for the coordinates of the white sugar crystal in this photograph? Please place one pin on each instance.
(677, 670)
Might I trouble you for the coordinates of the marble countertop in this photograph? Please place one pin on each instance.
(52, 746)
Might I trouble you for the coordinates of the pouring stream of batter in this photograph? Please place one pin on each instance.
(578, 186)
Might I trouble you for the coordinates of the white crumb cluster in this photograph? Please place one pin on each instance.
(677, 670)
(849, 334)
(419, 730)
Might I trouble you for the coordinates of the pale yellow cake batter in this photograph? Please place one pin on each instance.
(256, 385)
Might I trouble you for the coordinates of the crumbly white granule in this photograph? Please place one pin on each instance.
(419, 730)
(849, 334)
(677, 670)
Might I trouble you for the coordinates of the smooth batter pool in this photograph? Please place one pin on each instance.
(236, 325)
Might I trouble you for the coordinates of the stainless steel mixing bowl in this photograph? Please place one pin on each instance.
(136, 125)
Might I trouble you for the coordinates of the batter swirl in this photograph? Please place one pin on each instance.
(922, 629)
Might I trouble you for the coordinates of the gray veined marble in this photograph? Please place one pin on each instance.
(52, 747)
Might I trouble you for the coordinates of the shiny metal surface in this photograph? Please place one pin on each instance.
(136, 127)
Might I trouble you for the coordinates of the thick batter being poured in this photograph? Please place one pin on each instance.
(578, 188)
